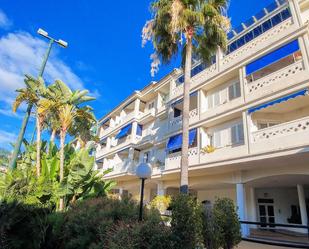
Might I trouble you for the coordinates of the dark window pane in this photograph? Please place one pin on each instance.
(270, 210)
(262, 210)
(285, 14)
(240, 42)
(257, 31)
(249, 36)
(263, 220)
(276, 19)
(266, 25)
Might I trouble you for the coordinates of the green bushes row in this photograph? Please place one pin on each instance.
(113, 224)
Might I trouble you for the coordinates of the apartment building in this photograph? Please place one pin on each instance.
(250, 104)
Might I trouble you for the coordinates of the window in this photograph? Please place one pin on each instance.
(151, 105)
(216, 139)
(234, 91)
(177, 113)
(237, 134)
(216, 97)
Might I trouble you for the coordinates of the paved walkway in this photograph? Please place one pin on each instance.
(250, 245)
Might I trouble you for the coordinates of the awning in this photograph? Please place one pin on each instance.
(272, 57)
(175, 142)
(124, 131)
(277, 101)
(193, 94)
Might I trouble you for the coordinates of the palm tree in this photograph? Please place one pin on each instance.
(35, 88)
(66, 108)
(203, 25)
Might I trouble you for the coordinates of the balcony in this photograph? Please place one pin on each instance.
(281, 126)
(127, 167)
(172, 161)
(146, 140)
(175, 123)
(146, 116)
(261, 38)
(276, 81)
(282, 136)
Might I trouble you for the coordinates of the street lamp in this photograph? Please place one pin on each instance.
(28, 112)
(143, 171)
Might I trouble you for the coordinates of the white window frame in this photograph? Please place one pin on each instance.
(234, 90)
(238, 133)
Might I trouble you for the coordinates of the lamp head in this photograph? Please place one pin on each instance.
(62, 43)
(143, 170)
(42, 32)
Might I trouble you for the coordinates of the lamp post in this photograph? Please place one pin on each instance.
(143, 171)
(29, 108)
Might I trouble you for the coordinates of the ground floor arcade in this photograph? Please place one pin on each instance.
(273, 190)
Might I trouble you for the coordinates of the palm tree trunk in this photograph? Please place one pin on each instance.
(185, 120)
(38, 146)
(62, 140)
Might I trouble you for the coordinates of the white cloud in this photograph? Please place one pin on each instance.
(5, 22)
(6, 138)
(21, 53)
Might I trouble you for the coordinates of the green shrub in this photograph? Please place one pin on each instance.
(143, 235)
(108, 223)
(227, 222)
(211, 231)
(22, 226)
(186, 222)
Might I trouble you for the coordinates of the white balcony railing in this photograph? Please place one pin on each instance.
(172, 161)
(176, 122)
(126, 167)
(276, 77)
(282, 136)
(256, 44)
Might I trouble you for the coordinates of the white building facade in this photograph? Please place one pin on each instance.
(250, 104)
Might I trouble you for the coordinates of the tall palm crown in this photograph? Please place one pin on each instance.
(204, 25)
(202, 21)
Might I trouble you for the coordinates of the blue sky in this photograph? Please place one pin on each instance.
(104, 55)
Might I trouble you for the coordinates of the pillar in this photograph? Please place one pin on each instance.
(253, 204)
(160, 189)
(137, 106)
(295, 11)
(241, 207)
(302, 204)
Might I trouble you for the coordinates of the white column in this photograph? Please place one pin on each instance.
(133, 131)
(253, 204)
(302, 204)
(243, 84)
(295, 11)
(108, 143)
(160, 188)
(246, 127)
(219, 56)
(241, 207)
(137, 106)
